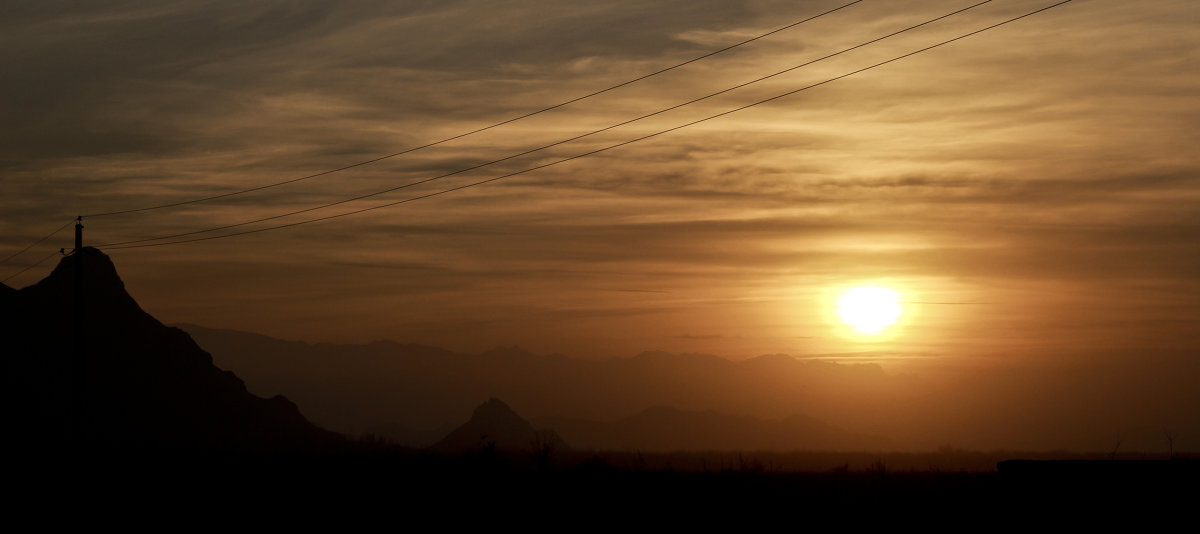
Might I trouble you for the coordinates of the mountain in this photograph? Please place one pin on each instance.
(666, 429)
(123, 381)
(426, 391)
(495, 426)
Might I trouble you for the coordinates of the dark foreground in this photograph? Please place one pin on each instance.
(504, 488)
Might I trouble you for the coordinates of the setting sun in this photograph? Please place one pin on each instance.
(869, 310)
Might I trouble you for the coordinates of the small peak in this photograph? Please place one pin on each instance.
(98, 269)
(492, 409)
(106, 303)
(492, 423)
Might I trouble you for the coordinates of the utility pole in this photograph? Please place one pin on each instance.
(78, 284)
(76, 358)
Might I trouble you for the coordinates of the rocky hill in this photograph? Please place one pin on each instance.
(495, 426)
(111, 377)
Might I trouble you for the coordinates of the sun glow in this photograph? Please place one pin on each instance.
(869, 310)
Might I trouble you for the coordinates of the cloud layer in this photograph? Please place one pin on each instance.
(1044, 170)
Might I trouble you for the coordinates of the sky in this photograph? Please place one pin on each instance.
(1031, 192)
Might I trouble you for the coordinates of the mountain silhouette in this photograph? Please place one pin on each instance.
(122, 380)
(493, 425)
(424, 391)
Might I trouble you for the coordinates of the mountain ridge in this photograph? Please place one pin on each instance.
(390, 378)
(494, 426)
(125, 381)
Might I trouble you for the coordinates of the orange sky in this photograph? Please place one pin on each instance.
(1031, 191)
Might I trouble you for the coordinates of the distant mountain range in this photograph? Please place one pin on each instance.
(417, 394)
(494, 425)
(131, 383)
(125, 381)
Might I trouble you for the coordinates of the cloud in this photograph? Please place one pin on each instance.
(1056, 150)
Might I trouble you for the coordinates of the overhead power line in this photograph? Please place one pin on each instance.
(39, 262)
(544, 147)
(36, 243)
(485, 128)
(597, 151)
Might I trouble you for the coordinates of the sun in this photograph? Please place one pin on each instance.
(869, 310)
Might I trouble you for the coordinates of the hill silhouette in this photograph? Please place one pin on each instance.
(130, 383)
(427, 391)
(416, 394)
(493, 425)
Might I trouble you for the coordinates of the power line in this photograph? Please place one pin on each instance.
(597, 151)
(39, 262)
(556, 143)
(36, 243)
(485, 128)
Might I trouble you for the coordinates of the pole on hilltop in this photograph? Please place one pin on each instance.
(77, 351)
